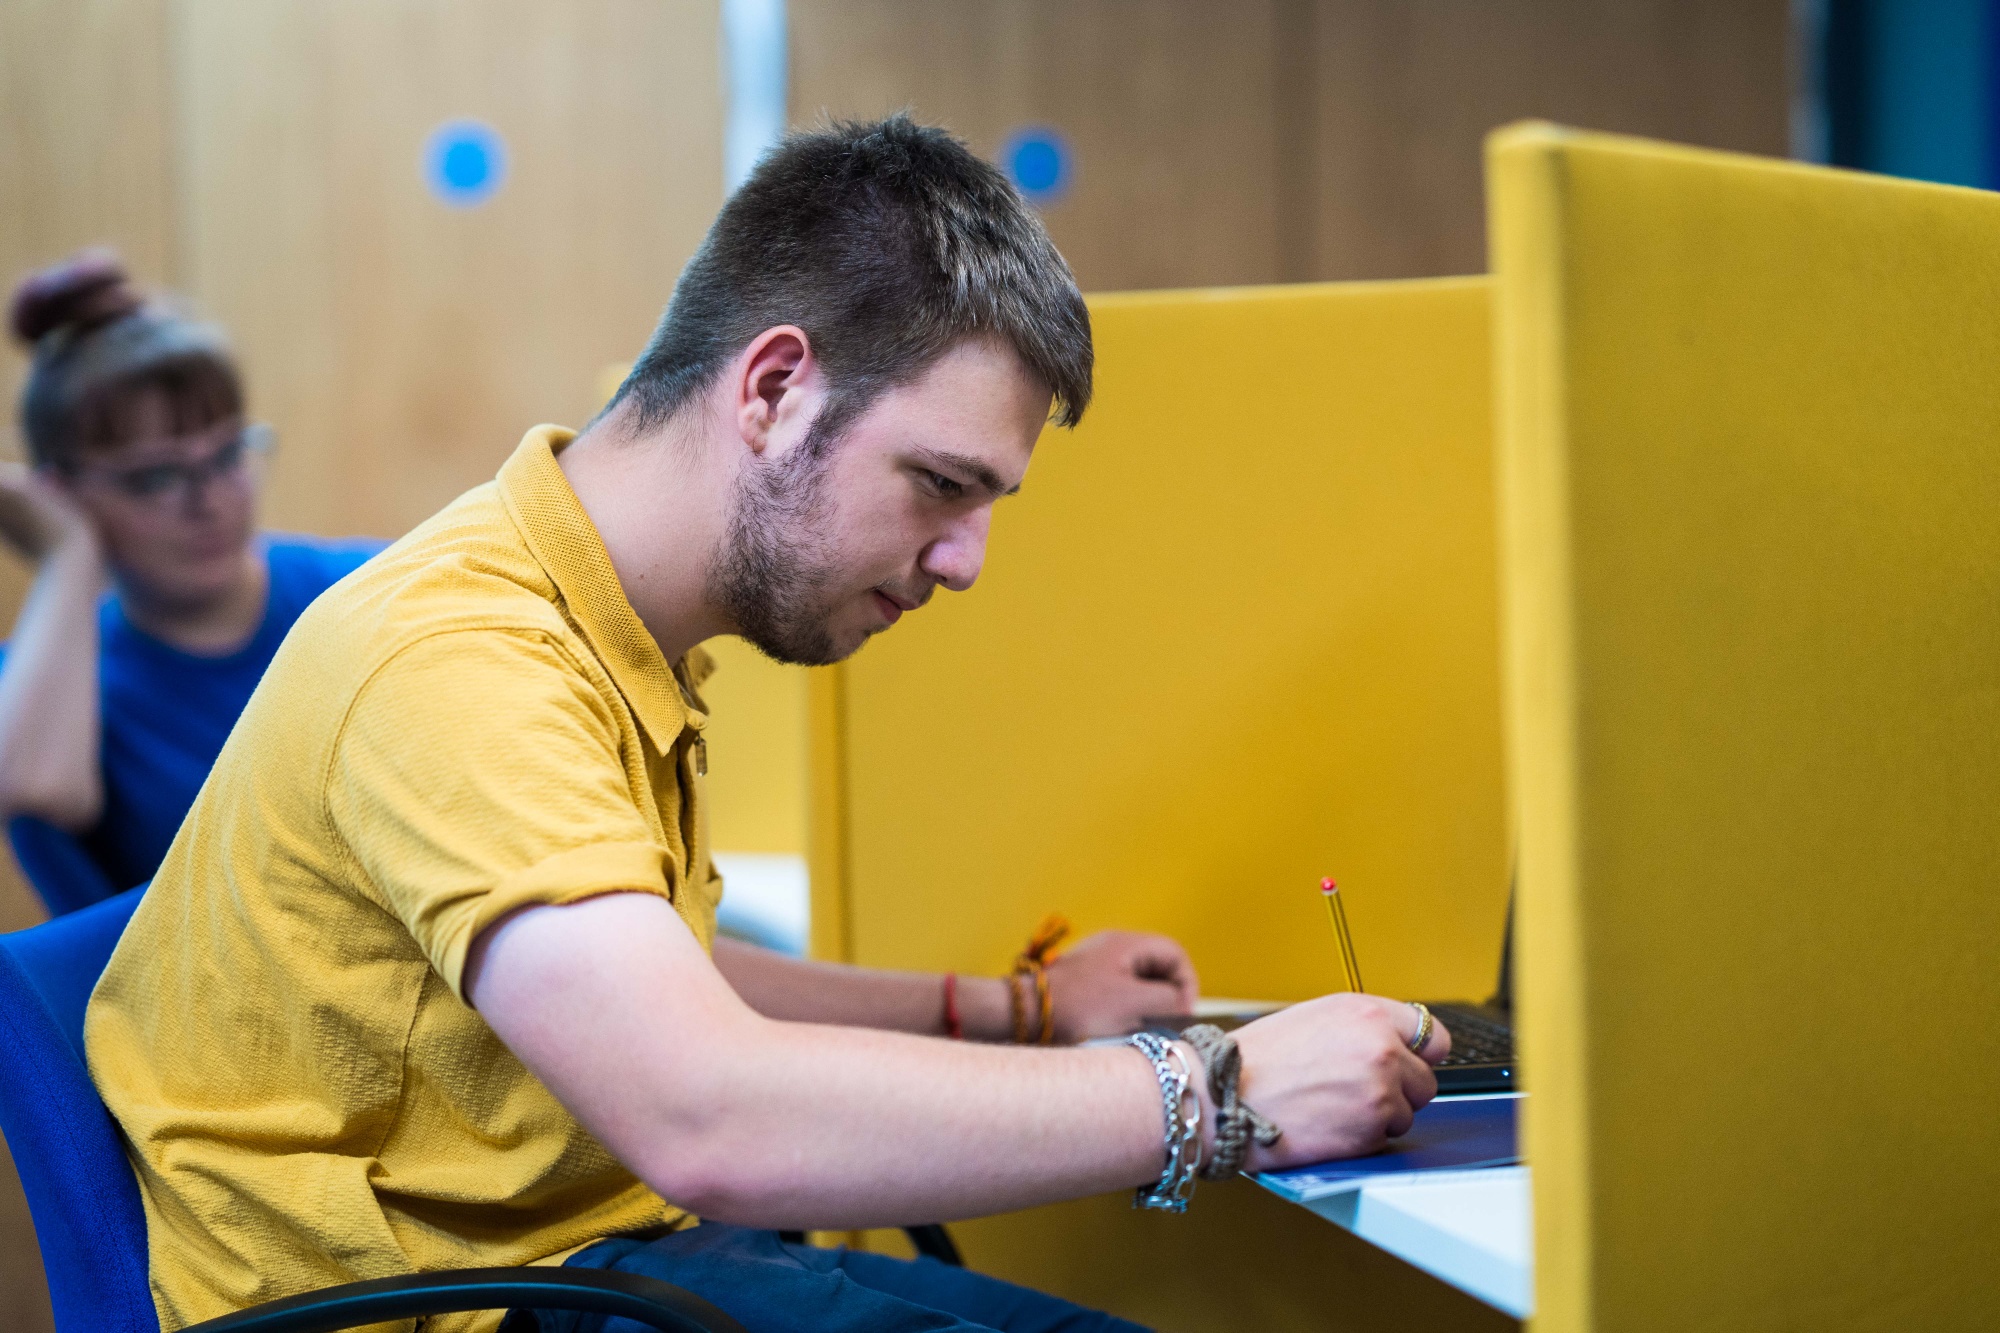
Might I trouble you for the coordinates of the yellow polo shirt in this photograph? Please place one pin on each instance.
(472, 722)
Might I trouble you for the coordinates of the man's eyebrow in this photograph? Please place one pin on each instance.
(985, 477)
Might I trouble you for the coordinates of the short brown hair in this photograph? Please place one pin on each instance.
(99, 347)
(889, 243)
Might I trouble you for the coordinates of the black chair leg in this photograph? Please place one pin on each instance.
(934, 1242)
(931, 1239)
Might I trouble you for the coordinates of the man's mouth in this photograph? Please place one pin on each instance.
(892, 608)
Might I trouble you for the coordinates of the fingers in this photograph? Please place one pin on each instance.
(1153, 958)
(1160, 958)
(35, 513)
(1407, 1021)
(1132, 999)
(1419, 1082)
(1438, 1045)
(1413, 1084)
(1157, 1000)
(1187, 987)
(1111, 984)
(1401, 1114)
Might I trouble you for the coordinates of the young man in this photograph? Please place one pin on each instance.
(428, 979)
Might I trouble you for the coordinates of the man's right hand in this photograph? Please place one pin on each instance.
(1337, 1075)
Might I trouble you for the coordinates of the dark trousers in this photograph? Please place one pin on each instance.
(772, 1286)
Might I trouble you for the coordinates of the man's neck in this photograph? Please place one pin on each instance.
(657, 502)
(214, 627)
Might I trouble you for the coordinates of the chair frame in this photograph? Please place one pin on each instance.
(646, 1300)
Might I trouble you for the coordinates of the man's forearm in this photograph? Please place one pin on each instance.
(801, 991)
(776, 1123)
(842, 1127)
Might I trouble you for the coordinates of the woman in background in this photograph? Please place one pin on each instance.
(156, 604)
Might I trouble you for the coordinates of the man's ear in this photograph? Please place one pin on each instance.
(775, 376)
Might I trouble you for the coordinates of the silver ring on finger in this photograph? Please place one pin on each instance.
(1424, 1025)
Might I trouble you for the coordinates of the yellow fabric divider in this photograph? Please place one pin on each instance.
(1751, 491)
(1239, 632)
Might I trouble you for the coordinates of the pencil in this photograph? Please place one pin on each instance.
(1337, 914)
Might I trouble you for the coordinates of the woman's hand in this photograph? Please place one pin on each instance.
(49, 726)
(1337, 1075)
(37, 517)
(1113, 981)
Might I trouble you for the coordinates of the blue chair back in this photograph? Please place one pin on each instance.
(66, 1146)
(58, 867)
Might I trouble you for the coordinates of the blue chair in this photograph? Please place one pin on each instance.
(62, 873)
(85, 1198)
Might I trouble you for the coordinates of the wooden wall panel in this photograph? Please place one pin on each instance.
(84, 139)
(400, 345)
(1403, 92)
(84, 160)
(1171, 107)
(1291, 139)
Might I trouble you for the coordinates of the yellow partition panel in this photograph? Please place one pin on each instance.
(1240, 631)
(1751, 484)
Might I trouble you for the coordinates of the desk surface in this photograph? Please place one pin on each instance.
(1473, 1229)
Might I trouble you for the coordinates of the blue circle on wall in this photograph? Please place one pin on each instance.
(465, 162)
(1037, 159)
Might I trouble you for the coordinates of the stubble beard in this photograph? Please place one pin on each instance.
(776, 566)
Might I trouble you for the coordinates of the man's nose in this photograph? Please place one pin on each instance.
(955, 558)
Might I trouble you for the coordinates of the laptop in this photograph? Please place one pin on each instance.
(1482, 1034)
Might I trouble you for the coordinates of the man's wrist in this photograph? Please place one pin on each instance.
(983, 1008)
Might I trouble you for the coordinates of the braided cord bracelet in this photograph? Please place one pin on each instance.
(1236, 1122)
(1031, 969)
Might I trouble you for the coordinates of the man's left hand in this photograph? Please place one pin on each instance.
(1110, 983)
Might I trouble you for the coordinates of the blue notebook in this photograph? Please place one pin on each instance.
(1451, 1134)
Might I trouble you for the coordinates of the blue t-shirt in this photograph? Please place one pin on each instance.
(165, 716)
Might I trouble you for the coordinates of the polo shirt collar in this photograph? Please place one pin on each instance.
(566, 543)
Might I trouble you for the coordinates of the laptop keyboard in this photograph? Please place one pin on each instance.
(1476, 1039)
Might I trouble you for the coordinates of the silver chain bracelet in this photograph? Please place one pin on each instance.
(1171, 1192)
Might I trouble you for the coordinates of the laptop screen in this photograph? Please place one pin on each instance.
(1503, 994)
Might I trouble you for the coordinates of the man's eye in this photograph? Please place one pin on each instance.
(944, 485)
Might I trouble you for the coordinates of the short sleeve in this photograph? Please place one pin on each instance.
(479, 772)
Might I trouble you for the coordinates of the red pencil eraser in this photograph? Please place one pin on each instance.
(1327, 885)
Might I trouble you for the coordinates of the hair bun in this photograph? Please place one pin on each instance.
(89, 288)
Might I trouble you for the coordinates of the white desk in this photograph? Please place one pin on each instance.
(1472, 1229)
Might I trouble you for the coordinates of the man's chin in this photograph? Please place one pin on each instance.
(838, 648)
(825, 649)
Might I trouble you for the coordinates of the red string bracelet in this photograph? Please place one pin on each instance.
(952, 1027)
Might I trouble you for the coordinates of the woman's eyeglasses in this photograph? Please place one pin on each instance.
(158, 482)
